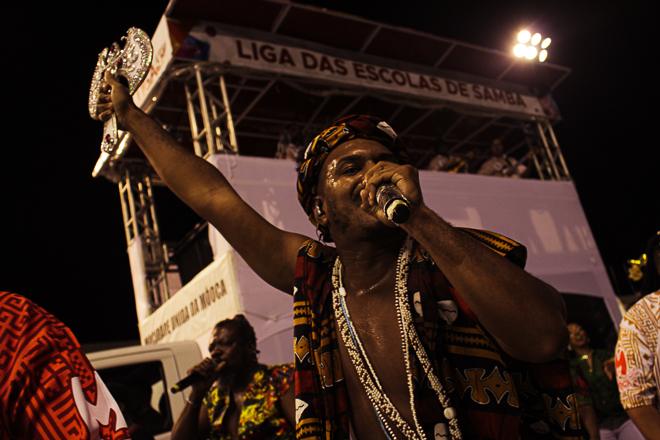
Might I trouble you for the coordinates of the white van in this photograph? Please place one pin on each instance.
(150, 371)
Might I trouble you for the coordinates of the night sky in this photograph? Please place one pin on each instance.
(62, 241)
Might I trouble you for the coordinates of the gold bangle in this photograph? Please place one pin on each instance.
(199, 405)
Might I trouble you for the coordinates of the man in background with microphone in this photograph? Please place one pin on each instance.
(233, 396)
(407, 328)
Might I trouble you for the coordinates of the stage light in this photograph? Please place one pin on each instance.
(528, 46)
(524, 36)
(530, 52)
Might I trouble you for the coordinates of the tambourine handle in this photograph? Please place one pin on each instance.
(110, 135)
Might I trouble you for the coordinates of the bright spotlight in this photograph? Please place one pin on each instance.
(524, 36)
(529, 46)
(530, 52)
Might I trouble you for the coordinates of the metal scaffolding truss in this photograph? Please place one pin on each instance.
(141, 228)
(217, 133)
(543, 145)
(230, 108)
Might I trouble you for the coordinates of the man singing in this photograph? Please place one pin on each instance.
(240, 398)
(419, 330)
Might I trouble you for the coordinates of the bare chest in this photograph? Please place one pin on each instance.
(232, 416)
(374, 319)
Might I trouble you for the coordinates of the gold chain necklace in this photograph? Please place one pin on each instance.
(385, 410)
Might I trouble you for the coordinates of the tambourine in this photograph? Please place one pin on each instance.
(131, 62)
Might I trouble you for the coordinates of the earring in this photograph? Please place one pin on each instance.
(318, 210)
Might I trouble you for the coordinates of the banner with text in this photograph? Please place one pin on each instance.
(162, 46)
(207, 299)
(204, 43)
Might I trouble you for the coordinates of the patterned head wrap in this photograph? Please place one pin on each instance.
(344, 130)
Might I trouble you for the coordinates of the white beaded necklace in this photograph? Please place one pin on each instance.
(385, 410)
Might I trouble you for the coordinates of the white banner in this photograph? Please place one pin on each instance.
(207, 299)
(259, 55)
(162, 45)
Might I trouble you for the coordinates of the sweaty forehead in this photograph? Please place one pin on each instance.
(358, 149)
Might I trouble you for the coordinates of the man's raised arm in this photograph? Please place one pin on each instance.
(269, 251)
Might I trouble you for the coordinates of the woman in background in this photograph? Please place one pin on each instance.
(594, 380)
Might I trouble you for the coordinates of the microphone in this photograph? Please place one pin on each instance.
(393, 203)
(189, 380)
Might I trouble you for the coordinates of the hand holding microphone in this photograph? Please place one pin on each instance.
(384, 184)
(394, 204)
(197, 376)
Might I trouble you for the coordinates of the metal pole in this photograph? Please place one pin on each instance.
(230, 120)
(218, 144)
(193, 120)
(131, 206)
(125, 210)
(203, 108)
(537, 165)
(160, 251)
(166, 260)
(146, 227)
(559, 153)
(547, 150)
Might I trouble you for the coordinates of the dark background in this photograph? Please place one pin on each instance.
(62, 242)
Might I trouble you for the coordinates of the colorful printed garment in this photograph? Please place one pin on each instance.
(497, 397)
(638, 354)
(48, 387)
(260, 417)
(594, 388)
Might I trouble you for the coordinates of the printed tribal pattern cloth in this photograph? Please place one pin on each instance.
(497, 397)
(261, 418)
(344, 130)
(593, 387)
(48, 387)
(638, 354)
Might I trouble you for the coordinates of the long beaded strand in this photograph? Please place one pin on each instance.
(379, 400)
(375, 392)
(410, 333)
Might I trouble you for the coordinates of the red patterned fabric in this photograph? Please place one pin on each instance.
(48, 387)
